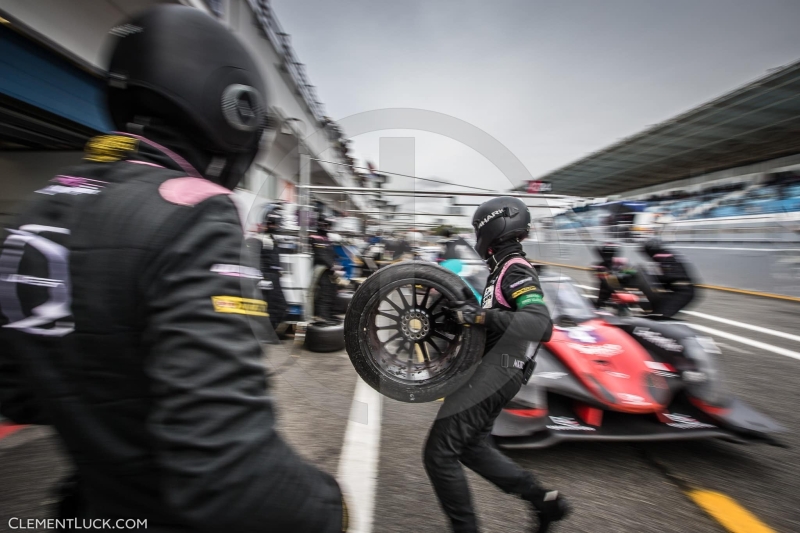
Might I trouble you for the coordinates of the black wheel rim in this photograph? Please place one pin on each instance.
(407, 333)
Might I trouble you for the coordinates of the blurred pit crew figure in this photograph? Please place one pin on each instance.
(448, 244)
(270, 262)
(612, 273)
(325, 279)
(128, 312)
(516, 320)
(674, 286)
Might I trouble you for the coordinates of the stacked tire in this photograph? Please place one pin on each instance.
(324, 337)
(343, 299)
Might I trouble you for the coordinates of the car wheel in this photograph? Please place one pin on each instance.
(324, 337)
(342, 301)
(399, 338)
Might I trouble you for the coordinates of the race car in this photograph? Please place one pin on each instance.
(608, 378)
(600, 377)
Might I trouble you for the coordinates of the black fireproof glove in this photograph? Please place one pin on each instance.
(466, 312)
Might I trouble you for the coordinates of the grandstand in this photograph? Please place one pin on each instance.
(752, 126)
(735, 156)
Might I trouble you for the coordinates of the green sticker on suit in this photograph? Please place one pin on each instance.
(527, 299)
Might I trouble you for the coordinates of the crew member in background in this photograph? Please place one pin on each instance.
(448, 244)
(612, 273)
(271, 265)
(674, 287)
(140, 348)
(325, 279)
(516, 320)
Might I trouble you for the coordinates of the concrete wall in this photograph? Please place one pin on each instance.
(767, 268)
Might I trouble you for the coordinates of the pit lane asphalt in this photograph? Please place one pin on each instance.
(613, 487)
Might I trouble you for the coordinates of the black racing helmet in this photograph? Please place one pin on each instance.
(324, 223)
(179, 65)
(653, 247)
(499, 220)
(607, 253)
(273, 222)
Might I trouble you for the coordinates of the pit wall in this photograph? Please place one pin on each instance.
(757, 267)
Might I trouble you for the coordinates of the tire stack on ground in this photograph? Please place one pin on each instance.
(323, 337)
(436, 356)
(343, 299)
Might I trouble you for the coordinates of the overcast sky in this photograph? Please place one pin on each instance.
(551, 80)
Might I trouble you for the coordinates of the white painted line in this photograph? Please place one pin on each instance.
(734, 348)
(358, 464)
(736, 249)
(759, 329)
(745, 340)
(587, 287)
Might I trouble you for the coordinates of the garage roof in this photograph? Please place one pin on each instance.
(757, 122)
(46, 102)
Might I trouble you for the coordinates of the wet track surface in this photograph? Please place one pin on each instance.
(614, 487)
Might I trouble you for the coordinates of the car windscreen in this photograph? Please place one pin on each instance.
(563, 299)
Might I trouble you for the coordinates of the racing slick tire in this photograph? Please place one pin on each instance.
(324, 337)
(401, 341)
(343, 299)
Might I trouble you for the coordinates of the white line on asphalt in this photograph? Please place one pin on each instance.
(358, 464)
(789, 336)
(734, 348)
(737, 338)
(744, 340)
(737, 249)
(751, 327)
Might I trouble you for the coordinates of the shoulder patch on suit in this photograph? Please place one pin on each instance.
(189, 191)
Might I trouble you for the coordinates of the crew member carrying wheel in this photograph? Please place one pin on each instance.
(516, 320)
(324, 281)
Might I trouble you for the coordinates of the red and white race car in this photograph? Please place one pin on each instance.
(608, 378)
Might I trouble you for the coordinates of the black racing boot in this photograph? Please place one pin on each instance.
(549, 507)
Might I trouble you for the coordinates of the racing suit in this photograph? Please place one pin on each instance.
(128, 324)
(324, 276)
(516, 320)
(676, 289)
(270, 261)
(448, 249)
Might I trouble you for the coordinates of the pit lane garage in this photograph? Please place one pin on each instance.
(49, 108)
